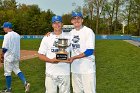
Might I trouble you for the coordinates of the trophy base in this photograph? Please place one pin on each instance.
(62, 56)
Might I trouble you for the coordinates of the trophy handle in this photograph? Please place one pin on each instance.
(69, 42)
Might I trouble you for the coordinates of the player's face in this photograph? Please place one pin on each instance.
(77, 21)
(57, 26)
(6, 29)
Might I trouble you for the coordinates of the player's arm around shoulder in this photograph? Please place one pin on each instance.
(48, 34)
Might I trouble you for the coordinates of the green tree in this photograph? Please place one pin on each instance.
(66, 19)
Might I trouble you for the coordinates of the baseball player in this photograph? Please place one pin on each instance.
(57, 73)
(83, 60)
(11, 57)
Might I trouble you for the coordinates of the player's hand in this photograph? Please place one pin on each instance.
(54, 60)
(48, 34)
(70, 60)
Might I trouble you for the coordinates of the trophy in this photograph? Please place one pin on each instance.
(62, 54)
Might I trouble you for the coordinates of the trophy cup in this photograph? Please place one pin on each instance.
(62, 54)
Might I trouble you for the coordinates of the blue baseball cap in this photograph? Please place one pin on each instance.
(7, 25)
(56, 18)
(77, 14)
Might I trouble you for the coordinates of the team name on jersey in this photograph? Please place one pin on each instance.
(75, 46)
(54, 50)
(75, 42)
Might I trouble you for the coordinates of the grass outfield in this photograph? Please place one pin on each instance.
(118, 66)
(28, 44)
(34, 70)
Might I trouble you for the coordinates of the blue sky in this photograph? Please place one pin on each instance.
(58, 7)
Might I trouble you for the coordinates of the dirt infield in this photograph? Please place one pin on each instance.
(26, 54)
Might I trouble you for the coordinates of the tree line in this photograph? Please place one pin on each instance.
(26, 19)
(112, 16)
(103, 16)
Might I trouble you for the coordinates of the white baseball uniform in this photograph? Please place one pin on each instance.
(57, 74)
(83, 69)
(12, 56)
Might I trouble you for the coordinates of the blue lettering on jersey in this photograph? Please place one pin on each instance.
(55, 42)
(75, 39)
(75, 46)
(54, 50)
(75, 42)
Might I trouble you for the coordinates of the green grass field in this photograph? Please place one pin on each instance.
(117, 66)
